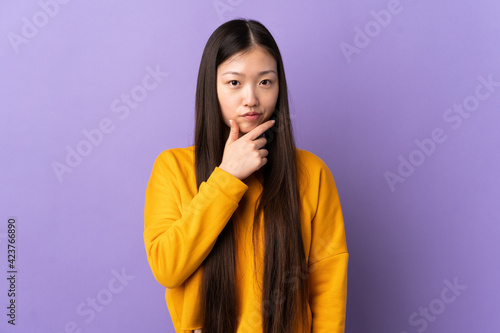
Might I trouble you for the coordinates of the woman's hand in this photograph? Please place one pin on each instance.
(243, 156)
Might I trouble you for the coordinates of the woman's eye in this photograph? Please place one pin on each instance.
(266, 82)
(233, 83)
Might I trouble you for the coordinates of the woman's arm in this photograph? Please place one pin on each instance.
(177, 238)
(328, 260)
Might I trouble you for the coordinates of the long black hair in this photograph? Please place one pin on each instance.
(284, 296)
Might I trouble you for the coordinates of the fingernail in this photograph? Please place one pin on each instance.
(230, 122)
(273, 121)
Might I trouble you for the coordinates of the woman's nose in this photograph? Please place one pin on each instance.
(250, 98)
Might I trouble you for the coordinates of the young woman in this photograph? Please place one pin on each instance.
(243, 229)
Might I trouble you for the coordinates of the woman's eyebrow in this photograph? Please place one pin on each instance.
(241, 74)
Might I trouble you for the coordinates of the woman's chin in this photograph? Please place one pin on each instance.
(244, 129)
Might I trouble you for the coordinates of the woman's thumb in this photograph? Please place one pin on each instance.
(233, 134)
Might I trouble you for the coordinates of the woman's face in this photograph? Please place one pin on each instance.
(248, 83)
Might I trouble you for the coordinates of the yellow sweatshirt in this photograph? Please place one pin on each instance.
(182, 225)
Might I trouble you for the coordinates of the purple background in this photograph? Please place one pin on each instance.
(359, 113)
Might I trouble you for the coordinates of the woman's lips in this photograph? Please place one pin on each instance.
(253, 117)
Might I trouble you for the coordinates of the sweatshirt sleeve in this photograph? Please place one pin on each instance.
(328, 260)
(179, 236)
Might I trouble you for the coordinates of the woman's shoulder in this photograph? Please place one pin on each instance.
(312, 171)
(176, 156)
(309, 160)
(177, 153)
